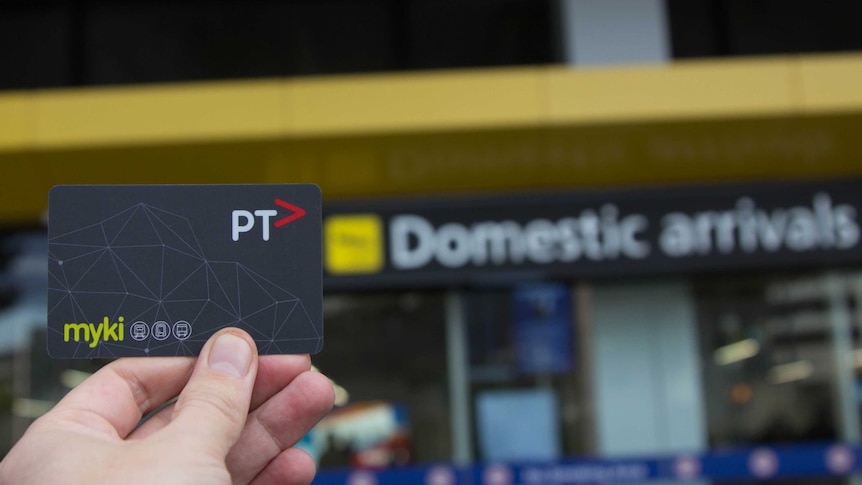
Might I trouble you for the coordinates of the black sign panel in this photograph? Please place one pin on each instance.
(591, 233)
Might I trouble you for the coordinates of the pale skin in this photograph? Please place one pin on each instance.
(235, 421)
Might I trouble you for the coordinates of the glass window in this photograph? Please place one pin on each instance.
(387, 354)
(781, 357)
(523, 362)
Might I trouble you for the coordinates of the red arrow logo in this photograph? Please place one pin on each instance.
(297, 213)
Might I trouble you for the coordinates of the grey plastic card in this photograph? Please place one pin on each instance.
(155, 270)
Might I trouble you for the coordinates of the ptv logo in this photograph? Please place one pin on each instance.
(244, 221)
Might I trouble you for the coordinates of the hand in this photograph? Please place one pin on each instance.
(235, 420)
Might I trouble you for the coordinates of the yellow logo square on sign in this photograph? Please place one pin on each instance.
(354, 244)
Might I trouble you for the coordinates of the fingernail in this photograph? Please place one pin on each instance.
(230, 355)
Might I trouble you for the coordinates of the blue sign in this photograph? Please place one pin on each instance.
(542, 330)
(762, 464)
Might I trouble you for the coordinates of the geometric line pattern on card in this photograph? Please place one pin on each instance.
(146, 265)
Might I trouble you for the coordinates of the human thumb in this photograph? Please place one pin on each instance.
(211, 411)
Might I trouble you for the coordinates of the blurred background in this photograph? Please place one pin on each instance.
(566, 241)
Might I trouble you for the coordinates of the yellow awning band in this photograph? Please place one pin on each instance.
(428, 102)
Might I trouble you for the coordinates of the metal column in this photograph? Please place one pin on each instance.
(842, 348)
(458, 362)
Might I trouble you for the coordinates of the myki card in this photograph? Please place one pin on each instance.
(155, 270)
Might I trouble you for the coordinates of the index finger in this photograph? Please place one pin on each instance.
(112, 401)
(274, 373)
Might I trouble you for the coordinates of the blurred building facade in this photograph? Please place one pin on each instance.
(552, 228)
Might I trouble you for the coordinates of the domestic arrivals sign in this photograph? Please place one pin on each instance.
(591, 233)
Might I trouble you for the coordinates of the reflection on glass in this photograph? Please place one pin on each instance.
(768, 359)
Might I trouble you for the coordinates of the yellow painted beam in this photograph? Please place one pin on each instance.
(430, 133)
(429, 102)
(688, 90)
(16, 121)
(416, 102)
(831, 83)
(157, 114)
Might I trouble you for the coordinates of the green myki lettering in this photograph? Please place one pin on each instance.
(78, 328)
(104, 331)
(96, 332)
